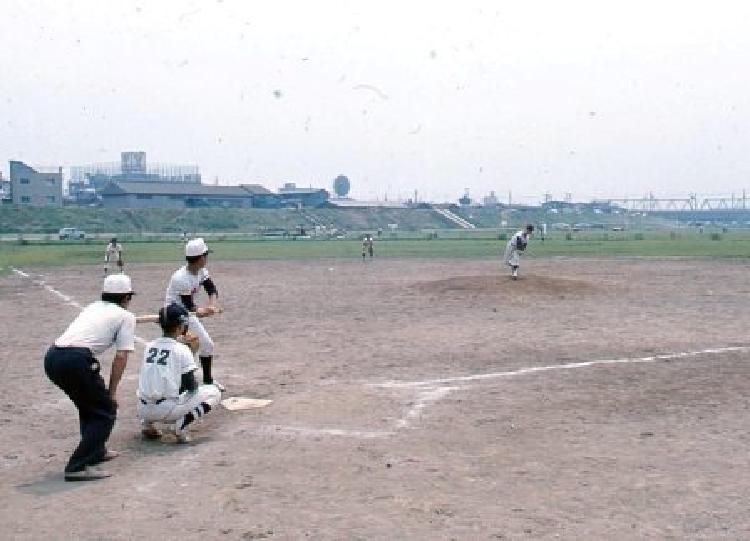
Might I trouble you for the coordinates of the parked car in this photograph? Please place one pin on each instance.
(71, 233)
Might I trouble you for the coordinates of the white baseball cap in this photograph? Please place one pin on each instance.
(117, 283)
(196, 247)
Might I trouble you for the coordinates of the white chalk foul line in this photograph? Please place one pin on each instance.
(281, 430)
(567, 366)
(278, 430)
(65, 298)
(425, 397)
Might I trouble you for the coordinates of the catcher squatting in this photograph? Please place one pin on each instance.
(167, 391)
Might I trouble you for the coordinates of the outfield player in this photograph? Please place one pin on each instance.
(183, 286)
(515, 246)
(113, 253)
(71, 364)
(167, 389)
(367, 246)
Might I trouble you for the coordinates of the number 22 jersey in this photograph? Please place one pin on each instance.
(164, 362)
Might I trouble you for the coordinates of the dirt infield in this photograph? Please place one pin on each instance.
(404, 406)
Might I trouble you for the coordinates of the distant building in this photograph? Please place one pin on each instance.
(132, 167)
(4, 189)
(262, 197)
(291, 196)
(124, 194)
(490, 200)
(35, 187)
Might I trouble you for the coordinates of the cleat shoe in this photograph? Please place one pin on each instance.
(151, 433)
(218, 386)
(108, 455)
(89, 473)
(181, 432)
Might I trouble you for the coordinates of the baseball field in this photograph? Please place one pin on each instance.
(421, 394)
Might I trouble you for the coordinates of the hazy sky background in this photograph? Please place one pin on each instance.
(592, 98)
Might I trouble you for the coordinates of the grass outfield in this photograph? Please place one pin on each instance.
(655, 245)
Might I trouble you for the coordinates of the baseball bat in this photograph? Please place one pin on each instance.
(154, 318)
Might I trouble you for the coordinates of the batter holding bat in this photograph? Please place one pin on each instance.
(167, 389)
(516, 245)
(183, 286)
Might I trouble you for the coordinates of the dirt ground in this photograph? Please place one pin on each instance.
(402, 408)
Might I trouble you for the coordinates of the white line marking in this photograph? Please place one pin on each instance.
(65, 298)
(425, 398)
(584, 364)
(311, 431)
(272, 429)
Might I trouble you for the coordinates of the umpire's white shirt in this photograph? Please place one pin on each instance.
(164, 362)
(183, 282)
(98, 327)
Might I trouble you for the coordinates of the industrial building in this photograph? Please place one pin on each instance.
(132, 167)
(291, 196)
(38, 187)
(127, 194)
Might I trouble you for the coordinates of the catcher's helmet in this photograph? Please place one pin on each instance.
(530, 228)
(172, 316)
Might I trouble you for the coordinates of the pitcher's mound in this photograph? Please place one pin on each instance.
(492, 284)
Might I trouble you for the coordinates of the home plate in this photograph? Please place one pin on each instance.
(234, 403)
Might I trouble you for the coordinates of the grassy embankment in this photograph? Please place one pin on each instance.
(657, 244)
(93, 220)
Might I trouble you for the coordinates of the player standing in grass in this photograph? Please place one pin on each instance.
(71, 364)
(516, 245)
(113, 253)
(183, 286)
(368, 246)
(167, 389)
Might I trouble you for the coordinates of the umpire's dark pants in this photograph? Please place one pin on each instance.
(76, 371)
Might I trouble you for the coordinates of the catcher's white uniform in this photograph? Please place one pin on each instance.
(184, 283)
(165, 360)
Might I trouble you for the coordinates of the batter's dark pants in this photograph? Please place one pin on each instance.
(76, 371)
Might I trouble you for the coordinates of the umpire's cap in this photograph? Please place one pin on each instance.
(172, 316)
(118, 284)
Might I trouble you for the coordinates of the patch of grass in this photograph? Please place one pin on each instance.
(33, 254)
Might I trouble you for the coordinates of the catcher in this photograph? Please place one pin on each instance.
(515, 246)
(167, 389)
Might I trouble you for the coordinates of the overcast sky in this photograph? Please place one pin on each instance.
(593, 98)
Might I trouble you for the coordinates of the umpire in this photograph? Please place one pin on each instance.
(71, 364)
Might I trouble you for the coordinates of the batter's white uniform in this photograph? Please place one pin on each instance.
(165, 360)
(512, 256)
(183, 282)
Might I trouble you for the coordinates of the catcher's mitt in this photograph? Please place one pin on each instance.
(190, 340)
